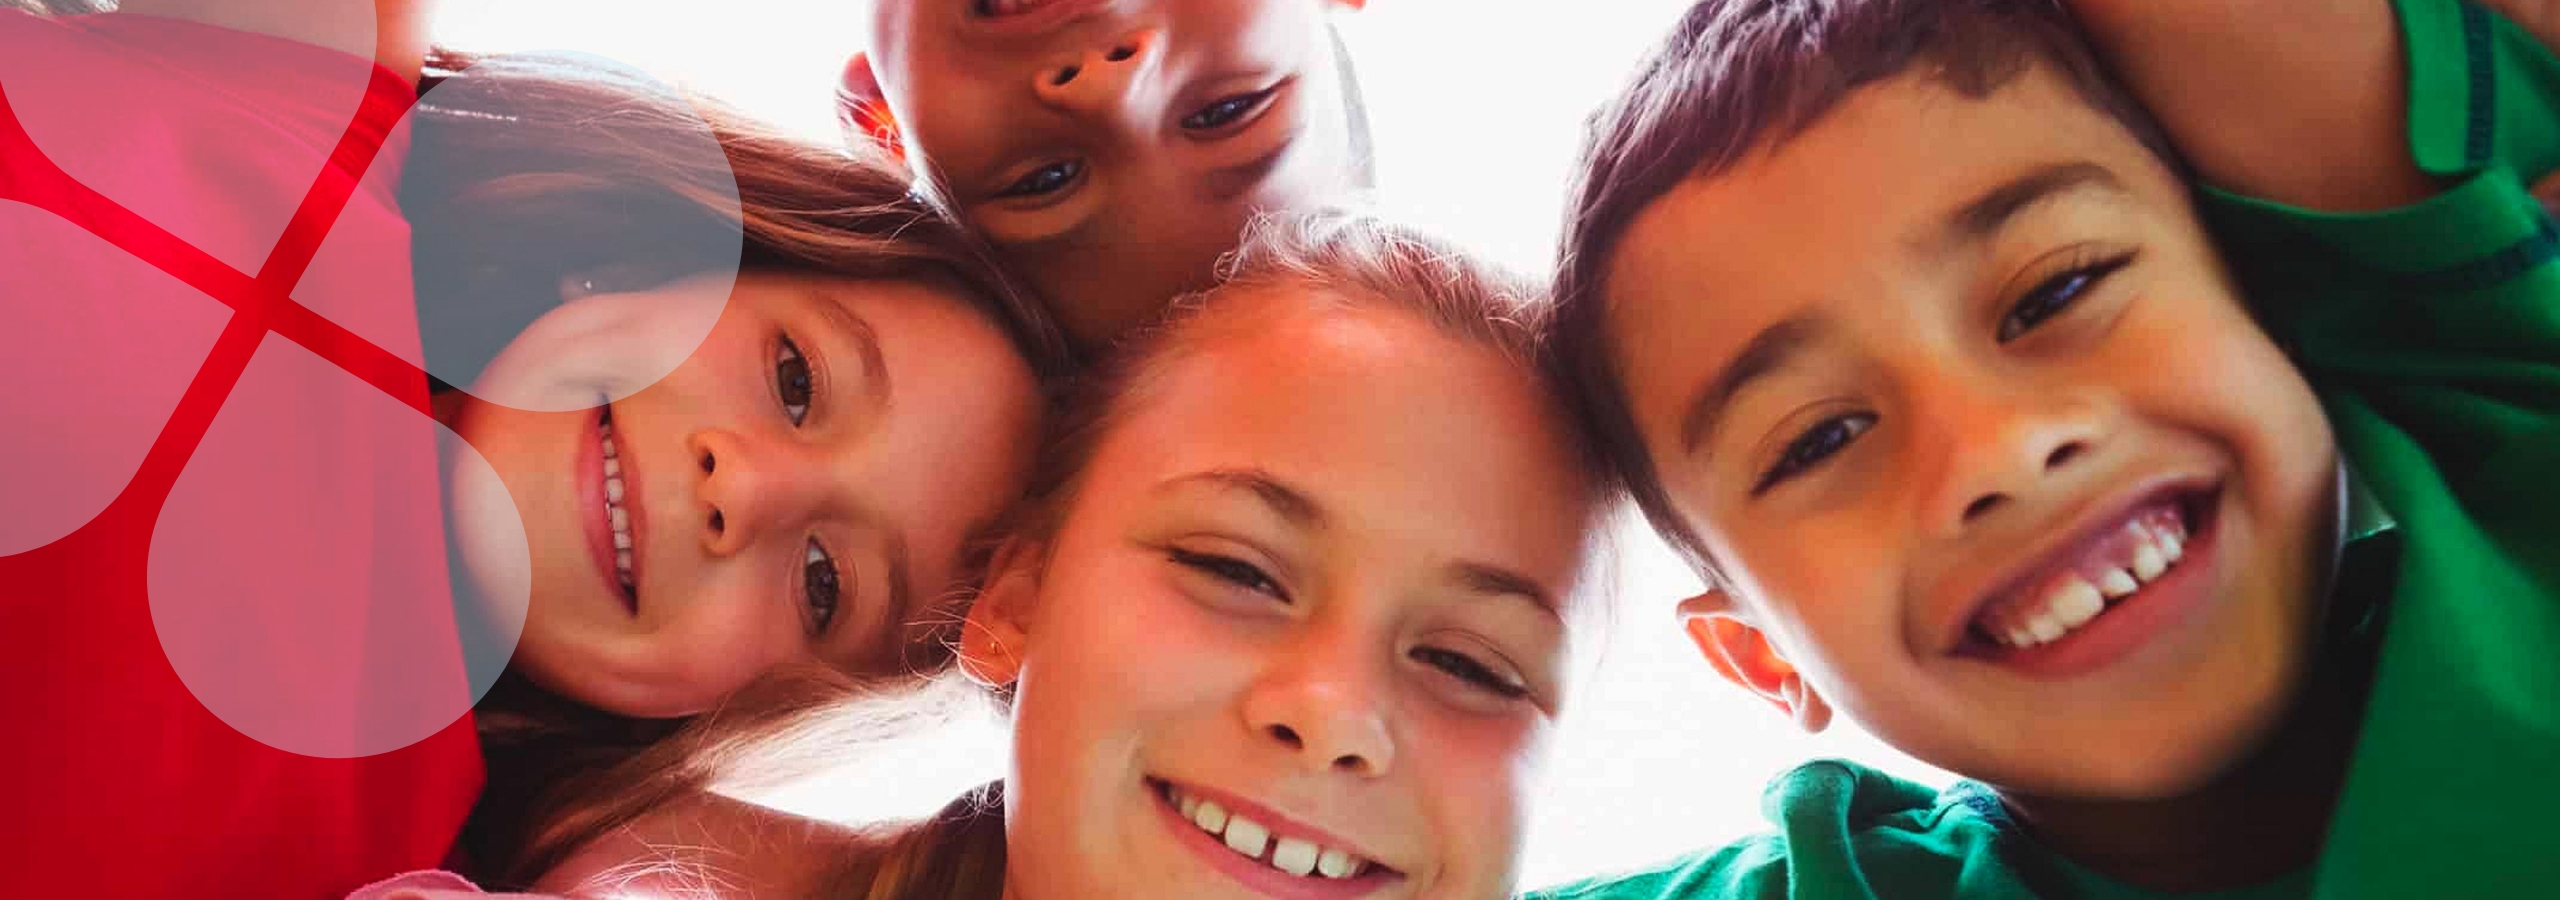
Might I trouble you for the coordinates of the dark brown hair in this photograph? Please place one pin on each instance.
(1739, 76)
(528, 171)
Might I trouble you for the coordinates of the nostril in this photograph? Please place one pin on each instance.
(1065, 75)
(1988, 502)
(1119, 54)
(1349, 762)
(707, 463)
(2064, 454)
(719, 524)
(1286, 735)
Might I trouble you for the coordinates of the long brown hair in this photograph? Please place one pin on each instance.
(529, 172)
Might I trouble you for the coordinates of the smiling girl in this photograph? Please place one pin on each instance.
(820, 396)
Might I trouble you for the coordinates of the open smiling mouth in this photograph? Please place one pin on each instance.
(2139, 554)
(617, 511)
(1256, 850)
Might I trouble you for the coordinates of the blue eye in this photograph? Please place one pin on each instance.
(1226, 110)
(1816, 444)
(1048, 179)
(2055, 295)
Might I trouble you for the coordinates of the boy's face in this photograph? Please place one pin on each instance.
(1958, 395)
(1112, 150)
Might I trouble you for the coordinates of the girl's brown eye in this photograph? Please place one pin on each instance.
(791, 381)
(820, 587)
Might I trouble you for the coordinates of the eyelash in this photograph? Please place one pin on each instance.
(821, 587)
(2057, 294)
(1808, 450)
(1227, 110)
(1245, 575)
(791, 375)
(1046, 180)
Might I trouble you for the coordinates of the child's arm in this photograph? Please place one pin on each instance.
(397, 33)
(2299, 101)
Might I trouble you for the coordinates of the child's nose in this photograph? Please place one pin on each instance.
(1099, 79)
(751, 486)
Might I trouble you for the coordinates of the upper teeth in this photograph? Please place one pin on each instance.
(615, 515)
(1246, 836)
(2075, 599)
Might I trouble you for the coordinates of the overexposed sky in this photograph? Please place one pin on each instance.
(1476, 107)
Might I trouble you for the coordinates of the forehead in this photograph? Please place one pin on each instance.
(1841, 214)
(1407, 437)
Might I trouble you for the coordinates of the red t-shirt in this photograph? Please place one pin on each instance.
(228, 653)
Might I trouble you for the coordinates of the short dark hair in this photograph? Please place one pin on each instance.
(1738, 76)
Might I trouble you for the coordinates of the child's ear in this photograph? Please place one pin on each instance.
(863, 110)
(1742, 653)
(991, 638)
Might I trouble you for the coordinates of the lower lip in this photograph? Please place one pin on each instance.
(1259, 876)
(2128, 624)
(599, 518)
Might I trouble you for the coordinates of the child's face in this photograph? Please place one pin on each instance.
(799, 488)
(1112, 150)
(1943, 376)
(1315, 578)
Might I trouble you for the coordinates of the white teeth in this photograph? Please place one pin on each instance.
(1247, 836)
(622, 561)
(612, 467)
(613, 489)
(2046, 628)
(607, 440)
(2147, 562)
(622, 541)
(621, 519)
(2118, 583)
(2172, 547)
(1333, 863)
(2075, 604)
(1293, 856)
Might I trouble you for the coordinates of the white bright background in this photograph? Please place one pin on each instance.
(1476, 108)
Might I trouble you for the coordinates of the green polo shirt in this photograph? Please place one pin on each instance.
(2432, 333)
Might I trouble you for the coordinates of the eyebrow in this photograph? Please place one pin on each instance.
(1767, 352)
(866, 342)
(1288, 502)
(1497, 581)
(1985, 215)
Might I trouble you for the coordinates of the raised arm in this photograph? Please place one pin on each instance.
(2299, 101)
(395, 36)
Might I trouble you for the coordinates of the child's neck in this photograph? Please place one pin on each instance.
(2264, 819)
